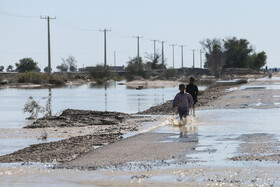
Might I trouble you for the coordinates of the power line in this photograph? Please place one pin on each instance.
(17, 15)
(105, 49)
(49, 42)
(65, 22)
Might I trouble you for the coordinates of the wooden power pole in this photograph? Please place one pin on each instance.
(49, 43)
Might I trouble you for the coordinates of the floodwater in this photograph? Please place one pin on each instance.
(217, 133)
(109, 97)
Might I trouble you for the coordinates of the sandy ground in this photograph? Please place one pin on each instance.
(139, 148)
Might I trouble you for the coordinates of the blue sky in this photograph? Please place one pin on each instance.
(184, 22)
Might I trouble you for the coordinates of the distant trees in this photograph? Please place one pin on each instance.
(231, 53)
(62, 68)
(27, 64)
(100, 72)
(136, 67)
(10, 68)
(257, 60)
(68, 64)
(215, 58)
(154, 61)
(46, 69)
(1, 68)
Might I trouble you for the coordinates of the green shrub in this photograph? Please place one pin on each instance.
(99, 72)
(33, 77)
(136, 67)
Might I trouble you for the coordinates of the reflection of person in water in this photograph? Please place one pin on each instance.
(49, 103)
(189, 133)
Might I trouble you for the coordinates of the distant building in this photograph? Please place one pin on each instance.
(111, 68)
(116, 68)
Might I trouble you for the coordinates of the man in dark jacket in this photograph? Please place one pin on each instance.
(193, 90)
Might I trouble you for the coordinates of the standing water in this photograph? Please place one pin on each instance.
(110, 97)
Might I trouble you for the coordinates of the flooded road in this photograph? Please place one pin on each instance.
(237, 146)
(219, 136)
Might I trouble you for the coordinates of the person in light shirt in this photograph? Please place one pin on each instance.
(183, 100)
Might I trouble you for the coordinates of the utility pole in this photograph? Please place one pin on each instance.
(182, 55)
(105, 47)
(154, 47)
(193, 50)
(201, 57)
(115, 60)
(173, 53)
(162, 52)
(49, 43)
(193, 57)
(138, 50)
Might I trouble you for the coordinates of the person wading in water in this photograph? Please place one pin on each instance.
(193, 90)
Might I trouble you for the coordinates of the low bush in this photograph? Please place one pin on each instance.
(99, 72)
(40, 78)
(56, 81)
(33, 77)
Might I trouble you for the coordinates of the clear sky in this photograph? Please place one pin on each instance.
(75, 31)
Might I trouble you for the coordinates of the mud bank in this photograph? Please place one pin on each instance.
(204, 99)
(110, 126)
(60, 151)
(80, 118)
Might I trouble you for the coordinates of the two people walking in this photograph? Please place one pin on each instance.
(186, 99)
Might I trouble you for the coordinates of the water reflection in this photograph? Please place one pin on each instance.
(188, 133)
(106, 98)
(49, 103)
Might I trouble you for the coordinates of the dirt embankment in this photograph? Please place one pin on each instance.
(80, 118)
(204, 99)
(111, 127)
(60, 151)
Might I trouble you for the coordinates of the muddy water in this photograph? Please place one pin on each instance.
(219, 136)
(110, 97)
(217, 133)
